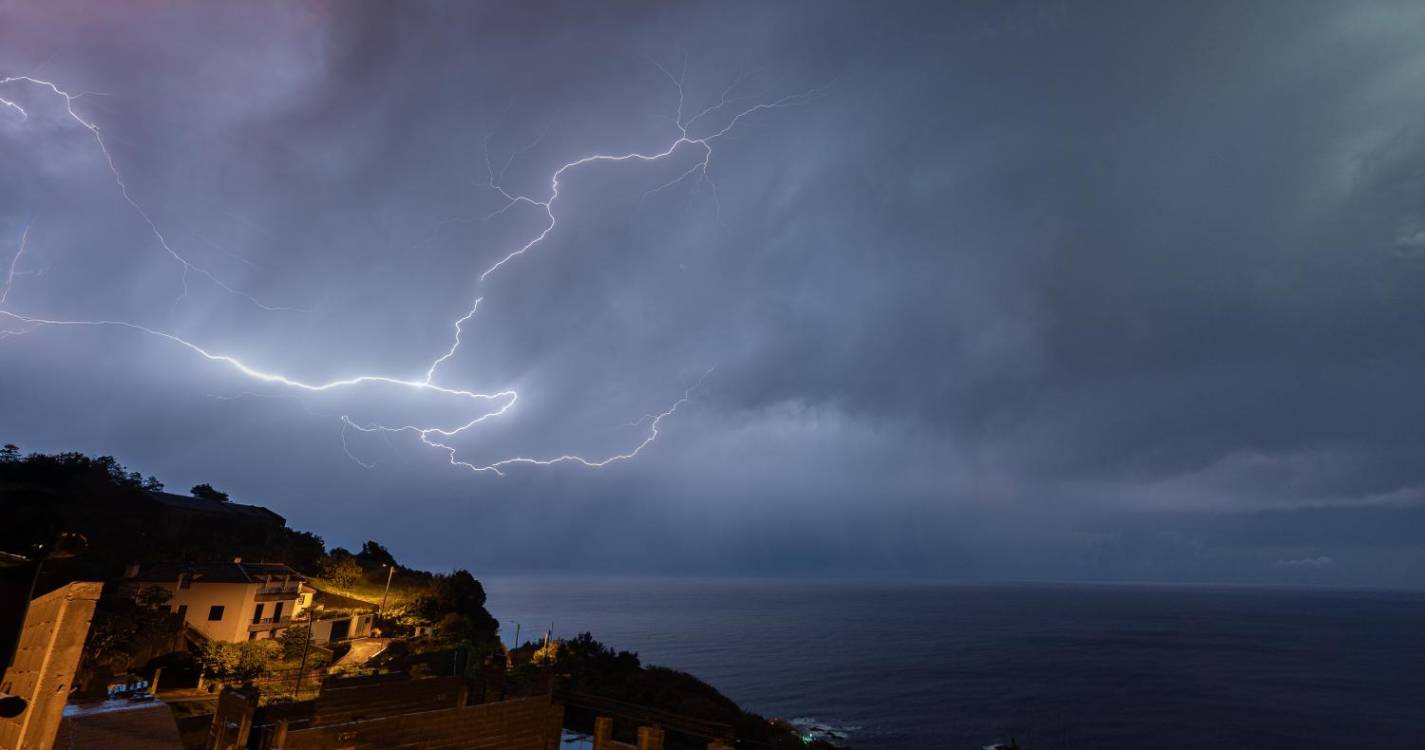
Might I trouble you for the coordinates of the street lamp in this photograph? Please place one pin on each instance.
(67, 545)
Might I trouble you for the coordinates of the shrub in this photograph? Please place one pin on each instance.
(239, 661)
(294, 641)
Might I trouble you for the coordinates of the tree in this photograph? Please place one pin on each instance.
(455, 628)
(341, 568)
(126, 627)
(465, 594)
(10, 452)
(459, 593)
(207, 492)
(302, 550)
(375, 552)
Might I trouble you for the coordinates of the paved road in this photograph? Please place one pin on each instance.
(362, 651)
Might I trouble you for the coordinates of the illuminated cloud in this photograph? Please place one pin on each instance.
(1020, 289)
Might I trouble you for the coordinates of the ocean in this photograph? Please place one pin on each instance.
(929, 665)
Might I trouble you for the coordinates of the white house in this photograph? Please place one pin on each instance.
(238, 601)
(234, 601)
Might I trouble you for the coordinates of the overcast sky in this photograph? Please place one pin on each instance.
(996, 290)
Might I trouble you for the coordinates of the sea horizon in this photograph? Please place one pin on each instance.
(917, 663)
(936, 580)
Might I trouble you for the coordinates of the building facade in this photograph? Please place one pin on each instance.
(234, 601)
(240, 601)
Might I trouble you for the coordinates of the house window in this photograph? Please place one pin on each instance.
(215, 613)
(182, 611)
(257, 613)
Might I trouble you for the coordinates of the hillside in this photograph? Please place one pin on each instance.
(127, 518)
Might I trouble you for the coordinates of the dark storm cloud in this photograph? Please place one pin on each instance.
(1024, 289)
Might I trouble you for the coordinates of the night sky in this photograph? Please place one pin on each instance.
(994, 290)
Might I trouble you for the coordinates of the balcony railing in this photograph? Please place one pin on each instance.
(269, 622)
(277, 593)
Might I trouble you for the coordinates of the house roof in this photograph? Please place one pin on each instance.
(215, 507)
(226, 572)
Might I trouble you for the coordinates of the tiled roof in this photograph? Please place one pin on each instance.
(227, 572)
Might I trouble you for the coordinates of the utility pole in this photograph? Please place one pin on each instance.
(390, 571)
(306, 648)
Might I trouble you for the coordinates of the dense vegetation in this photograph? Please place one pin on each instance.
(589, 667)
(112, 508)
(99, 498)
(44, 495)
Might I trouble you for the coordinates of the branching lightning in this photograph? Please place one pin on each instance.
(93, 128)
(685, 138)
(689, 135)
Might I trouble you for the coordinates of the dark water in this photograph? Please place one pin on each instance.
(914, 665)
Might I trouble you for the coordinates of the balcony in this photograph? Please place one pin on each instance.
(268, 623)
(277, 593)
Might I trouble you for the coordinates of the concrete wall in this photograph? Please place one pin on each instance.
(232, 719)
(523, 724)
(51, 644)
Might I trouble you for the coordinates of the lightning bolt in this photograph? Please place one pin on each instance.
(123, 185)
(689, 136)
(15, 264)
(10, 281)
(652, 435)
(684, 138)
